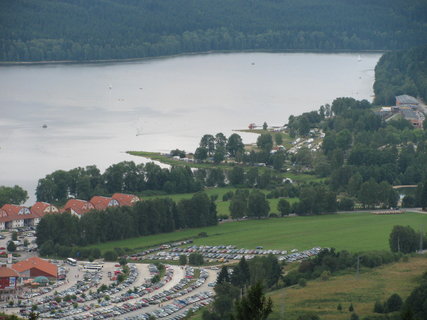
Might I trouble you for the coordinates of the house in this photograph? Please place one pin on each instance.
(35, 267)
(8, 278)
(16, 215)
(125, 199)
(42, 208)
(406, 101)
(102, 203)
(78, 207)
(413, 117)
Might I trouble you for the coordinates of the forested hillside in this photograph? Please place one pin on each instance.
(118, 29)
(401, 72)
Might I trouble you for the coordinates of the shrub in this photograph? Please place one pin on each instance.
(302, 282)
(378, 307)
(325, 275)
(394, 303)
(110, 256)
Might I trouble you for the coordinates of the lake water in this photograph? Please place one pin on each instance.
(96, 112)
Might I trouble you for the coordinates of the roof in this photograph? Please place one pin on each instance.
(102, 203)
(10, 212)
(6, 272)
(41, 208)
(37, 263)
(13, 209)
(405, 99)
(79, 206)
(125, 199)
(409, 114)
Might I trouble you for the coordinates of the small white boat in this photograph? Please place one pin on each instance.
(359, 58)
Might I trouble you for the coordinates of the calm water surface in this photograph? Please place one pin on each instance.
(95, 112)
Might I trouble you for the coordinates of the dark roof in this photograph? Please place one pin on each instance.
(405, 99)
(410, 114)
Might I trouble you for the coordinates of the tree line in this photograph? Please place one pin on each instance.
(78, 30)
(122, 177)
(63, 234)
(401, 72)
(239, 290)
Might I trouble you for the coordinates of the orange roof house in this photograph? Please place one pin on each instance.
(41, 208)
(78, 207)
(125, 199)
(34, 267)
(102, 203)
(15, 216)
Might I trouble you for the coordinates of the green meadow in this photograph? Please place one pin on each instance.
(350, 231)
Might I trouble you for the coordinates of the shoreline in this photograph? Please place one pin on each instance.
(101, 61)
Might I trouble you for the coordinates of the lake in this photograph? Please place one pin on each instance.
(61, 116)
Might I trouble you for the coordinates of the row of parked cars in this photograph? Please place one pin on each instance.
(225, 253)
(141, 255)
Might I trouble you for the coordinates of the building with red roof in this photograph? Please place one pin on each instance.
(39, 209)
(8, 278)
(102, 203)
(35, 267)
(15, 215)
(125, 199)
(78, 207)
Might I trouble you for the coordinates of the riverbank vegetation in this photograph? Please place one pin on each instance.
(99, 30)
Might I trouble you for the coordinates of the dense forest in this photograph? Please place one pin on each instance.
(120, 29)
(401, 72)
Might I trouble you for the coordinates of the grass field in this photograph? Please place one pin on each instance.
(322, 297)
(221, 206)
(350, 231)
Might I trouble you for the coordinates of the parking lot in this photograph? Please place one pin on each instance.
(223, 253)
(94, 295)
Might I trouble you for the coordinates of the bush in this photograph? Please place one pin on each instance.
(195, 259)
(273, 215)
(394, 303)
(325, 275)
(110, 256)
(302, 282)
(182, 259)
(227, 196)
(378, 307)
(202, 235)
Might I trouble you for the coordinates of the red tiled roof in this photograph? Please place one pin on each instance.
(102, 203)
(10, 212)
(78, 206)
(125, 199)
(37, 263)
(42, 208)
(6, 272)
(13, 209)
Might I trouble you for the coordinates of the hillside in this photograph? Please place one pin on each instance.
(401, 72)
(117, 29)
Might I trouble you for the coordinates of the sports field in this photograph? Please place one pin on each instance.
(351, 231)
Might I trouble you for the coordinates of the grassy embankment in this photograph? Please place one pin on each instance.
(322, 297)
(349, 231)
